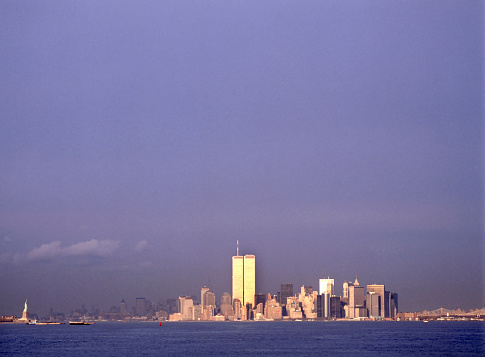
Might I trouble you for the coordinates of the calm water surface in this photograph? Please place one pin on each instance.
(246, 339)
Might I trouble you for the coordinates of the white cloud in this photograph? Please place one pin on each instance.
(93, 247)
(141, 246)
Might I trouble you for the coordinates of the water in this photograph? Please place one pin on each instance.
(247, 339)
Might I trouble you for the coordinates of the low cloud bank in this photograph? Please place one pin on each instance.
(93, 247)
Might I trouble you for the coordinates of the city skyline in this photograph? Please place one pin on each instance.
(138, 142)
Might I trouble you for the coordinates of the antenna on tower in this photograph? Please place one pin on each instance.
(237, 251)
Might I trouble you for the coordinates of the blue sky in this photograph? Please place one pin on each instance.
(139, 141)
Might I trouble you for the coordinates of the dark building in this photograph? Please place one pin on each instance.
(335, 307)
(387, 303)
(320, 306)
(393, 305)
(260, 299)
(286, 292)
(172, 306)
(140, 307)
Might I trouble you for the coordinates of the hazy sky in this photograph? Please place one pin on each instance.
(139, 140)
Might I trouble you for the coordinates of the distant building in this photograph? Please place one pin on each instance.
(238, 309)
(286, 292)
(273, 310)
(202, 293)
(260, 299)
(326, 285)
(380, 291)
(249, 279)
(356, 300)
(335, 307)
(393, 305)
(186, 307)
(209, 299)
(345, 294)
(140, 307)
(373, 304)
(226, 305)
(123, 310)
(243, 278)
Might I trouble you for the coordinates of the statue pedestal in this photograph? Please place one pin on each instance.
(25, 315)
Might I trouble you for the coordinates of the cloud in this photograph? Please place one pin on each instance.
(141, 246)
(93, 247)
(146, 264)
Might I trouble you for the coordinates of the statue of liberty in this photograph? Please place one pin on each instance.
(25, 306)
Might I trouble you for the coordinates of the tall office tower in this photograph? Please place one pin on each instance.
(237, 308)
(209, 299)
(387, 304)
(356, 300)
(393, 305)
(326, 305)
(373, 303)
(238, 277)
(185, 306)
(123, 310)
(249, 279)
(140, 307)
(326, 285)
(345, 294)
(335, 307)
(286, 292)
(226, 305)
(243, 278)
(379, 290)
(202, 294)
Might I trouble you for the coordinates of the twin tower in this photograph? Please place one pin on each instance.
(243, 278)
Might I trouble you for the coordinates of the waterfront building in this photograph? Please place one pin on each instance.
(260, 299)
(326, 285)
(238, 313)
(237, 277)
(356, 300)
(273, 310)
(123, 310)
(226, 305)
(293, 309)
(373, 304)
(286, 292)
(335, 307)
(345, 293)
(249, 279)
(185, 306)
(202, 295)
(243, 278)
(140, 307)
(379, 289)
(209, 299)
(393, 305)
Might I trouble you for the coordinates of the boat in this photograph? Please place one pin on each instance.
(80, 323)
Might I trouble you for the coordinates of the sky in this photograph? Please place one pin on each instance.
(140, 140)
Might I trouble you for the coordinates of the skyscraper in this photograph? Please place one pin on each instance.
(243, 278)
(140, 307)
(286, 292)
(249, 279)
(237, 277)
(202, 295)
(379, 289)
(326, 285)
